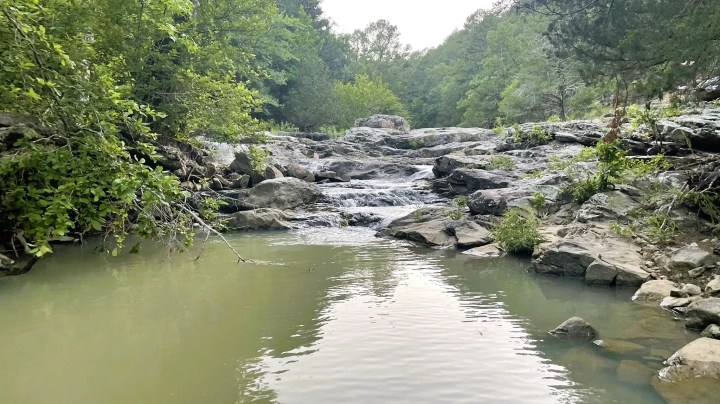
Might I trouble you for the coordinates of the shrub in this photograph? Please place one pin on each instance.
(538, 201)
(518, 232)
(501, 163)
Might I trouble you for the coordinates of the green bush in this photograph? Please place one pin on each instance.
(501, 163)
(518, 233)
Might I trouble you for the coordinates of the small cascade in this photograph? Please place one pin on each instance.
(380, 201)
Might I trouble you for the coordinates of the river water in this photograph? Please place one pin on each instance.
(323, 315)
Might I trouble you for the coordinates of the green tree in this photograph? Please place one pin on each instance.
(364, 98)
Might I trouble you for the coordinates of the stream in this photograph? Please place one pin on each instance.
(322, 315)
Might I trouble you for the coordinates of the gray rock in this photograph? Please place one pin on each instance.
(487, 251)
(678, 293)
(594, 255)
(703, 313)
(488, 202)
(384, 122)
(696, 272)
(607, 206)
(712, 331)
(575, 328)
(673, 302)
(332, 176)
(700, 358)
(242, 163)
(691, 290)
(656, 290)
(295, 170)
(259, 219)
(470, 234)
(269, 173)
(688, 257)
(8, 119)
(465, 181)
(282, 193)
(713, 287)
(426, 226)
(708, 90)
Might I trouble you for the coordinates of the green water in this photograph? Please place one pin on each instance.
(325, 315)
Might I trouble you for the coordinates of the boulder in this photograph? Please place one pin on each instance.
(488, 202)
(708, 90)
(594, 255)
(712, 331)
(295, 170)
(282, 193)
(242, 163)
(427, 226)
(487, 251)
(470, 234)
(331, 176)
(465, 181)
(670, 302)
(700, 358)
(702, 313)
(654, 291)
(575, 328)
(269, 173)
(713, 287)
(607, 206)
(384, 122)
(688, 257)
(691, 290)
(259, 219)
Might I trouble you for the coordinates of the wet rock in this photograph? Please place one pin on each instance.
(331, 176)
(656, 290)
(700, 358)
(384, 122)
(282, 193)
(603, 273)
(259, 219)
(618, 346)
(690, 256)
(487, 251)
(634, 372)
(426, 226)
(575, 328)
(711, 331)
(16, 265)
(703, 313)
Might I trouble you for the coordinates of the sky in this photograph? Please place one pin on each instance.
(422, 23)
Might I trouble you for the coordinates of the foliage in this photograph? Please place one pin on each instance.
(661, 228)
(518, 232)
(620, 230)
(535, 137)
(501, 163)
(259, 158)
(538, 200)
(656, 47)
(97, 88)
(364, 98)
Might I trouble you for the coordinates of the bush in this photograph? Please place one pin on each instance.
(501, 163)
(518, 232)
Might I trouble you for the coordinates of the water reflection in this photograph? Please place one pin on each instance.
(326, 315)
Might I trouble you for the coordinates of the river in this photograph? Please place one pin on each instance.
(323, 315)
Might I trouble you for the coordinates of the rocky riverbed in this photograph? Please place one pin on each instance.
(448, 188)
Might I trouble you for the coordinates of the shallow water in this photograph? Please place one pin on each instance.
(325, 315)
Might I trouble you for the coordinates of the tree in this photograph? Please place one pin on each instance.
(312, 101)
(97, 88)
(375, 47)
(364, 98)
(654, 45)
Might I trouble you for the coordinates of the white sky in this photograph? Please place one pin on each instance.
(423, 23)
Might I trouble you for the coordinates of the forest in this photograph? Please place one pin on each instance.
(106, 82)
